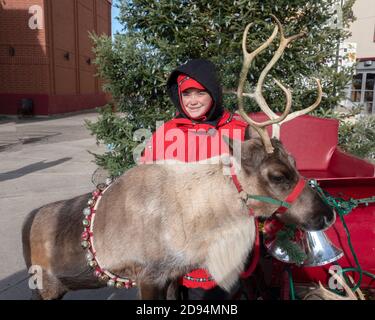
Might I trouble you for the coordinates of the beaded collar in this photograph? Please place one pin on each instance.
(87, 241)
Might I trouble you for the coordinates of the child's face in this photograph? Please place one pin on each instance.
(196, 102)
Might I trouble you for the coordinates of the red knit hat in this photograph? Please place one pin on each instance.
(185, 82)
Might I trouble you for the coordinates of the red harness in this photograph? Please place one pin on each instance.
(293, 195)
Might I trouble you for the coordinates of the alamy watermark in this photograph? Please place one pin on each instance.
(198, 146)
(337, 19)
(36, 21)
(36, 278)
(333, 284)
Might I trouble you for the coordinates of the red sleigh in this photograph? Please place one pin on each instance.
(313, 142)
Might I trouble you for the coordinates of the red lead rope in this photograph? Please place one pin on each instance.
(255, 257)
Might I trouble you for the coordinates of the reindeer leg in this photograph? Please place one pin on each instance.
(150, 291)
(52, 289)
(173, 290)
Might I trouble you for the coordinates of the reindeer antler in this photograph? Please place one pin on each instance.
(325, 294)
(258, 96)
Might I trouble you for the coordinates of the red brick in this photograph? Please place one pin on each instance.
(39, 66)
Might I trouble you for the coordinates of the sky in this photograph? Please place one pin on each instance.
(115, 24)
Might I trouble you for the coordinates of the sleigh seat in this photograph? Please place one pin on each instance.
(314, 144)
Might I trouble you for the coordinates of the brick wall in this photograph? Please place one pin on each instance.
(27, 69)
(53, 61)
(72, 22)
(62, 44)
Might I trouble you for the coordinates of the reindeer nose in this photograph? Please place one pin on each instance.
(330, 219)
(326, 220)
(323, 221)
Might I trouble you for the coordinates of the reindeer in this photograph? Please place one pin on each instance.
(150, 231)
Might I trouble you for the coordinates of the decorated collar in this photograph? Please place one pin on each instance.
(87, 243)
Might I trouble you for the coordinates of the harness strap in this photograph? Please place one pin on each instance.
(280, 203)
(239, 188)
(283, 205)
(255, 257)
(292, 196)
(235, 179)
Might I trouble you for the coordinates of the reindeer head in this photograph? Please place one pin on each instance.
(268, 171)
(268, 179)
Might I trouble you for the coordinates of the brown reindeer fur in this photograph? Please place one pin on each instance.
(157, 222)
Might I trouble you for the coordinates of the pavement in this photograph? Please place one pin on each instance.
(42, 160)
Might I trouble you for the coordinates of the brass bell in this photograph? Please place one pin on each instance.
(86, 222)
(92, 263)
(85, 244)
(111, 283)
(104, 278)
(119, 285)
(86, 211)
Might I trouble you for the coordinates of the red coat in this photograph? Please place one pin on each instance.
(181, 139)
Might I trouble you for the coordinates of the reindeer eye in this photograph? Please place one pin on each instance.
(277, 178)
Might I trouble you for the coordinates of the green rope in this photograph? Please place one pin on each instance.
(292, 293)
(269, 200)
(344, 207)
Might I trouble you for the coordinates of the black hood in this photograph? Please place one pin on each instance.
(204, 72)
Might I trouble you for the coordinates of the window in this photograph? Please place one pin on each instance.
(356, 87)
(370, 81)
(364, 96)
(363, 89)
(369, 92)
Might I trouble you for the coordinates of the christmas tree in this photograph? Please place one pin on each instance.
(160, 35)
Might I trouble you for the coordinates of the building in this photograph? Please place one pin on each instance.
(363, 37)
(46, 55)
